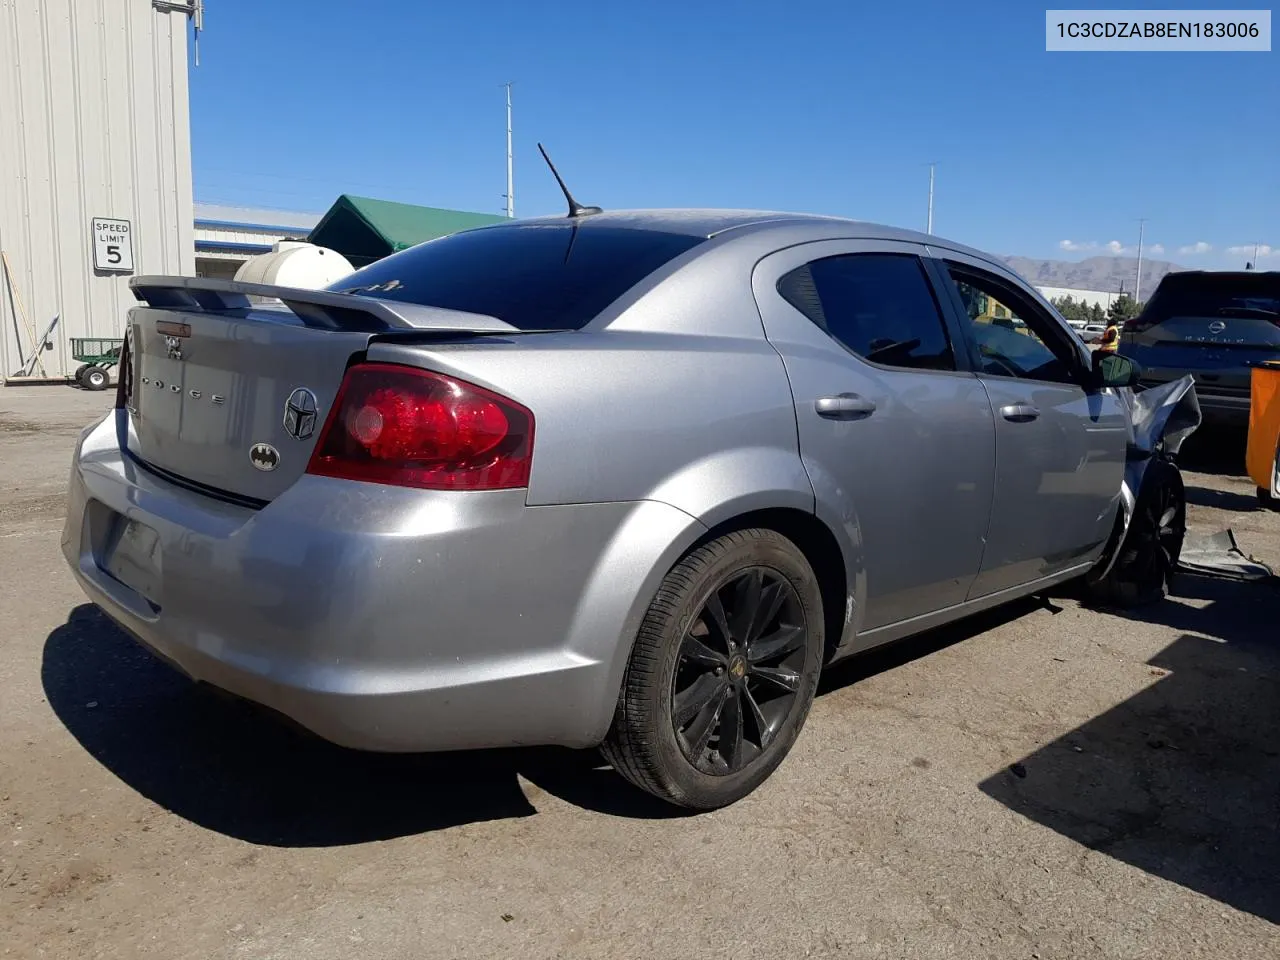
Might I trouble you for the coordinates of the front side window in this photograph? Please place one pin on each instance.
(1012, 336)
(879, 306)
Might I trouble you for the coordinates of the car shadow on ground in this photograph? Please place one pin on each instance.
(240, 770)
(846, 673)
(1181, 780)
(1227, 500)
(233, 768)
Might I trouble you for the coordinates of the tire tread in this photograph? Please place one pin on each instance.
(629, 747)
(1115, 590)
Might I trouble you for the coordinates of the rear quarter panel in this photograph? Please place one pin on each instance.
(702, 422)
(631, 409)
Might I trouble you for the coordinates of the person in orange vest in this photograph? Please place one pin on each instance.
(1110, 339)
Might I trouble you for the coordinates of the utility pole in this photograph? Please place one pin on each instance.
(511, 186)
(929, 224)
(1137, 286)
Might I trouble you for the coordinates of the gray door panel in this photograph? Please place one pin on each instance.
(1060, 453)
(1057, 479)
(901, 460)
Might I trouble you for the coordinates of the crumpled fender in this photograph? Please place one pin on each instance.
(1160, 420)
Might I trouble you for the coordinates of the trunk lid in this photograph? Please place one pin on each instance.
(210, 407)
(1219, 368)
(1224, 331)
(1217, 310)
(1221, 352)
(1217, 325)
(231, 397)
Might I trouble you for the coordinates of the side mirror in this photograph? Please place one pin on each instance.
(1113, 370)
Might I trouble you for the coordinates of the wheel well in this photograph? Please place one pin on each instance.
(819, 547)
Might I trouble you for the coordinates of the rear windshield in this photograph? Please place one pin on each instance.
(533, 276)
(1225, 296)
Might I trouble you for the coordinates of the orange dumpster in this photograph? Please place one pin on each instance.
(1264, 430)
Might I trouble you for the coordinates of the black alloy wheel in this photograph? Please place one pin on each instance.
(1160, 524)
(723, 671)
(739, 671)
(1148, 559)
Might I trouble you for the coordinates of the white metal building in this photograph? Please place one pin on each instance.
(1102, 298)
(95, 166)
(226, 237)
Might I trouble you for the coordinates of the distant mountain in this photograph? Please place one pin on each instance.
(1096, 273)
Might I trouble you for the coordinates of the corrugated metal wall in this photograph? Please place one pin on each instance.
(208, 238)
(93, 123)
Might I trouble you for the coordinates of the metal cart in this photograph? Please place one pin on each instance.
(97, 355)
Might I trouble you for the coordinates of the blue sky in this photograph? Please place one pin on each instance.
(825, 107)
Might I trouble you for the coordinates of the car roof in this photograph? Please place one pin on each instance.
(1181, 282)
(1192, 276)
(713, 222)
(690, 222)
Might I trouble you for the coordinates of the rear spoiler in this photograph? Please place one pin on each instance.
(322, 309)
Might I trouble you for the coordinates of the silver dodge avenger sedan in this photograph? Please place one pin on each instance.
(616, 479)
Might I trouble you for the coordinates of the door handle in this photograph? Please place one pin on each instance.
(846, 406)
(1019, 412)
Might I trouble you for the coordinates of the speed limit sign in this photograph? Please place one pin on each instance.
(112, 244)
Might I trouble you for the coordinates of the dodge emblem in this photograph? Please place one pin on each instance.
(300, 413)
(264, 457)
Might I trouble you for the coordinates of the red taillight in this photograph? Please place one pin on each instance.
(414, 428)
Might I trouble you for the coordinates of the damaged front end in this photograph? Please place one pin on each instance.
(1160, 420)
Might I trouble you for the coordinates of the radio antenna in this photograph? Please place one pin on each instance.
(575, 208)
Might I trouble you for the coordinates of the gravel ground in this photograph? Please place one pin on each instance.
(1027, 784)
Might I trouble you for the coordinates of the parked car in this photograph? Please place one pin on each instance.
(619, 479)
(1214, 325)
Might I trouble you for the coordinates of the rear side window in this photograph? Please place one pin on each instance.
(549, 276)
(880, 306)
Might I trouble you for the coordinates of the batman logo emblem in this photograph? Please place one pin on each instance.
(264, 456)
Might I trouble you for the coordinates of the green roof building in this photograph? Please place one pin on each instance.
(364, 230)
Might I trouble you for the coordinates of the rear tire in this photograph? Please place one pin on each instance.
(723, 672)
(96, 378)
(80, 372)
(1149, 555)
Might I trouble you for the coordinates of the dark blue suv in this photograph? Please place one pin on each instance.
(1215, 325)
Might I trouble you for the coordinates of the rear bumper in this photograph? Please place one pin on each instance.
(382, 618)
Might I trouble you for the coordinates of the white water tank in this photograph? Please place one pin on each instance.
(296, 263)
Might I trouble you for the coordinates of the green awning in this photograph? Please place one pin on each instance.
(364, 230)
